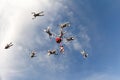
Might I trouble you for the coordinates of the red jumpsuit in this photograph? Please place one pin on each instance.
(58, 40)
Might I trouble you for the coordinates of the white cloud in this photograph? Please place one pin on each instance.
(18, 27)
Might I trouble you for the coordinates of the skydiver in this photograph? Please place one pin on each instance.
(8, 45)
(61, 49)
(58, 40)
(84, 54)
(37, 14)
(66, 24)
(52, 52)
(33, 54)
(69, 39)
(59, 37)
(61, 33)
(48, 31)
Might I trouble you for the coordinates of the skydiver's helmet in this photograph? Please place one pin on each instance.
(58, 40)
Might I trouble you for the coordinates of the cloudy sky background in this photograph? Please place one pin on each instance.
(95, 22)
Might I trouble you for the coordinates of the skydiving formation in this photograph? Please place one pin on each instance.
(59, 38)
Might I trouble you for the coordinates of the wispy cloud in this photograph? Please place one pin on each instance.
(27, 35)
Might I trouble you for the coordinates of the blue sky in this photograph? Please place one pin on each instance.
(96, 22)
